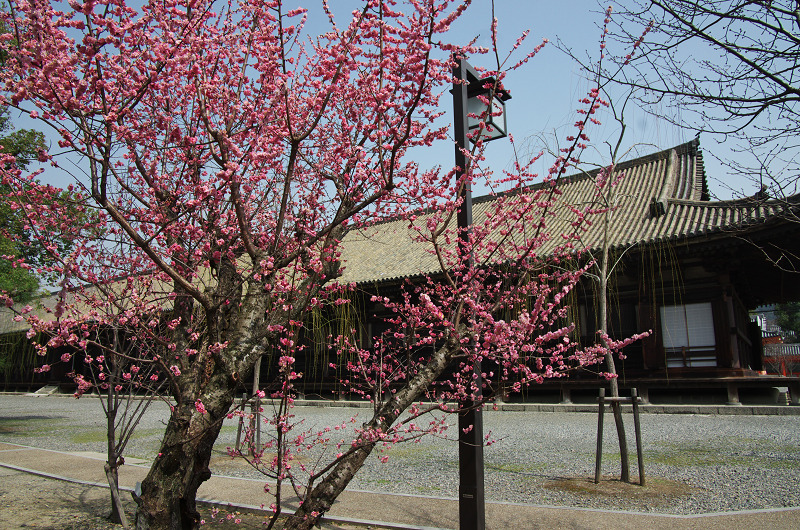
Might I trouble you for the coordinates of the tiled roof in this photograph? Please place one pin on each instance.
(661, 197)
(44, 307)
(8, 324)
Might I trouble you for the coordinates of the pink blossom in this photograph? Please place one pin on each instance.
(244, 152)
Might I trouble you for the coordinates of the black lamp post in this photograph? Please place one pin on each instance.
(466, 91)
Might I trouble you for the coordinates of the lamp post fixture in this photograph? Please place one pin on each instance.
(469, 95)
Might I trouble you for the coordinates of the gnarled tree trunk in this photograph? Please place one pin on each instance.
(167, 499)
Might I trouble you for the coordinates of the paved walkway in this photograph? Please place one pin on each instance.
(397, 511)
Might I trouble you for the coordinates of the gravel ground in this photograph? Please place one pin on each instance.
(693, 463)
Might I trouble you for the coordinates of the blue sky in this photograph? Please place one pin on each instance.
(545, 92)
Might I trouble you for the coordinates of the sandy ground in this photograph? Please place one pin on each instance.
(31, 501)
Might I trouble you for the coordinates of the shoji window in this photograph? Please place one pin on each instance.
(688, 335)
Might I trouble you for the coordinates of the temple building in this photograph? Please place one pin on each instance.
(686, 267)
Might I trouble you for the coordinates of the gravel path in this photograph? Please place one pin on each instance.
(694, 463)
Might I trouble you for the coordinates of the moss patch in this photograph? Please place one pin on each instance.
(100, 435)
(406, 450)
(221, 463)
(26, 426)
(523, 469)
(702, 456)
(86, 437)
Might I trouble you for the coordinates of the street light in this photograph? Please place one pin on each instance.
(479, 91)
(470, 97)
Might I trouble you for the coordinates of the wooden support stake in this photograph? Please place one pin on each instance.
(599, 455)
(638, 431)
(241, 420)
(258, 424)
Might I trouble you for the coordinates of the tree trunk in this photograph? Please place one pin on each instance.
(112, 452)
(168, 494)
(117, 510)
(616, 408)
(321, 498)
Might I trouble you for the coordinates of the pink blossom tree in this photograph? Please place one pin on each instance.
(223, 155)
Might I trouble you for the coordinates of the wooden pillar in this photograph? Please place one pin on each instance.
(734, 360)
(794, 393)
(651, 357)
(733, 394)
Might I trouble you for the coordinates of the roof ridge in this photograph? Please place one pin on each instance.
(752, 201)
(680, 149)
